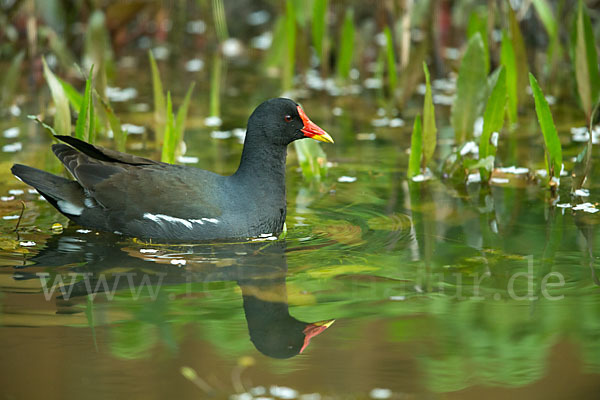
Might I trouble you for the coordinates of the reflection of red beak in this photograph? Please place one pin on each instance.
(313, 330)
(312, 130)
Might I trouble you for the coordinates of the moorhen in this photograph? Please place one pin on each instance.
(139, 197)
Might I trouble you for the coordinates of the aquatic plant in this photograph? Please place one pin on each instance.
(319, 29)
(416, 149)
(470, 92)
(62, 116)
(507, 59)
(391, 62)
(312, 159)
(11, 79)
(85, 128)
(175, 127)
(424, 135)
(289, 53)
(493, 121)
(552, 144)
(346, 46)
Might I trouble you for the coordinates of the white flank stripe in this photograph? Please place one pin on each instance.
(188, 223)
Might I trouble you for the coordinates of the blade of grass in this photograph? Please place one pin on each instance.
(182, 115)
(551, 140)
(518, 43)
(47, 127)
(429, 128)
(290, 47)
(586, 62)
(159, 99)
(416, 150)
(470, 90)
(84, 118)
(478, 23)
(62, 117)
(168, 149)
(215, 85)
(346, 52)
(507, 59)
(119, 135)
(318, 27)
(11, 78)
(391, 62)
(493, 121)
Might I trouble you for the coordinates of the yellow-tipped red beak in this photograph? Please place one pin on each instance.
(312, 130)
(313, 330)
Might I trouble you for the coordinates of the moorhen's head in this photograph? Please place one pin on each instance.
(280, 121)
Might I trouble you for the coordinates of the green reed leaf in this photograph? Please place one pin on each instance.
(62, 117)
(470, 90)
(416, 149)
(429, 128)
(551, 139)
(493, 121)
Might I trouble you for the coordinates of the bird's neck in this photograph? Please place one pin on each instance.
(262, 169)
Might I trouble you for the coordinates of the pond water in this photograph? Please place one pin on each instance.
(437, 290)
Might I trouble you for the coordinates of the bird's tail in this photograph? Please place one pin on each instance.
(64, 194)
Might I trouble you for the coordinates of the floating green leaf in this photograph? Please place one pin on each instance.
(470, 90)
(62, 117)
(493, 120)
(429, 128)
(551, 140)
(416, 149)
(586, 62)
(391, 61)
(346, 53)
(507, 58)
(319, 25)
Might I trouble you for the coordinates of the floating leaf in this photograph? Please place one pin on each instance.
(551, 140)
(507, 58)
(346, 53)
(416, 149)
(470, 90)
(586, 62)
(493, 120)
(391, 61)
(62, 117)
(429, 128)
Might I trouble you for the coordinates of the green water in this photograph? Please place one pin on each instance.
(438, 290)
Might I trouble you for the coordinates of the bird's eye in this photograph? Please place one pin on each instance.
(288, 118)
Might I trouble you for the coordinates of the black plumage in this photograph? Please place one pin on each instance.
(139, 197)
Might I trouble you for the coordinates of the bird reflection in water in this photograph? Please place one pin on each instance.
(259, 268)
